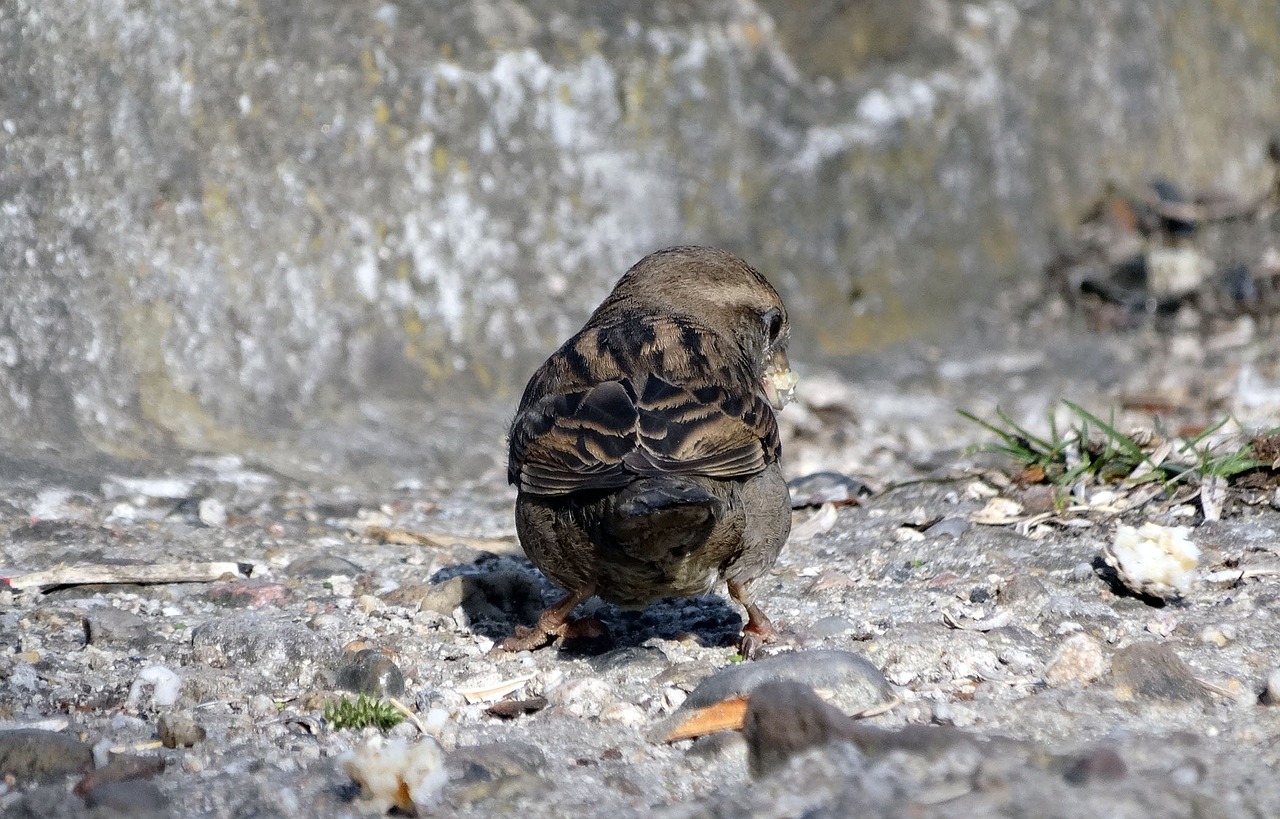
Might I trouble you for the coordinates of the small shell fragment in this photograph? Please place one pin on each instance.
(409, 776)
(1156, 560)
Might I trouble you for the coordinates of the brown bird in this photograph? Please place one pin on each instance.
(645, 450)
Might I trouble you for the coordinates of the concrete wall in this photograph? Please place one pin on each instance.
(217, 217)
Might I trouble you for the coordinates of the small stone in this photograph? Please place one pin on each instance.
(1098, 765)
(952, 527)
(1218, 635)
(826, 487)
(322, 567)
(247, 594)
(30, 755)
(1022, 588)
(179, 731)
(105, 627)
(1078, 660)
(507, 770)
(263, 648)
(212, 512)
(831, 626)
(1153, 671)
(856, 684)
(131, 796)
(373, 673)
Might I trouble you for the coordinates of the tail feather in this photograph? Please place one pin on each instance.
(655, 518)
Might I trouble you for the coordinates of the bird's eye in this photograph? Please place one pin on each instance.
(773, 323)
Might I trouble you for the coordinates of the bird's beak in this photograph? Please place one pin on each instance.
(779, 381)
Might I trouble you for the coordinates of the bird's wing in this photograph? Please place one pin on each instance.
(651, 396)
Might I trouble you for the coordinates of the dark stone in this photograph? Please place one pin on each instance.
(1097, 765)
(108, 626)
(503, 771)
(371, 672)
(31, 755)
(1154, 671)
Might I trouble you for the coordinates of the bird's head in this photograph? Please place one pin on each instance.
(725, 295)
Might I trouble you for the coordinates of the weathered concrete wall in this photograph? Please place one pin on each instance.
(216, 216)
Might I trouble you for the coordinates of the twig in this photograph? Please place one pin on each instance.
(141, 573)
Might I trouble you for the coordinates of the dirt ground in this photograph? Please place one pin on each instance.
(377, 553)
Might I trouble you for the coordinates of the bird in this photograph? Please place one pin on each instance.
(645, 451)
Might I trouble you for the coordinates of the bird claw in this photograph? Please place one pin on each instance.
(545, 633)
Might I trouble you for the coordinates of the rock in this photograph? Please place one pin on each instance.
(855, 684)
(506, 770)
(1154, 671)
(246, 594)
(179, 731)
(42, 756)
(212, 512)
(128, 797)
(826, 487)
(1097, 765)
(582, 697)
(263, 649)
(116, 627)
(1078, 660)
(371, 672)
(1023, 588)
(322, 567)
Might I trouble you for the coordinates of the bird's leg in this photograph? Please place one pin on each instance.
(758, 629)
(554, 623)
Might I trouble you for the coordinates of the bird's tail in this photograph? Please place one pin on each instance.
(665, 516)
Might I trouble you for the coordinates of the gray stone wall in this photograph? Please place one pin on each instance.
(217, 217)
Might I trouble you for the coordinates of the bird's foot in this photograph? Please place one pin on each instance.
(545, 633)
(754, 636)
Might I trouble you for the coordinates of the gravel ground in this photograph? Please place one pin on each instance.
(372, 556)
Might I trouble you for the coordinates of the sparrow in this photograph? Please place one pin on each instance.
(645, 450)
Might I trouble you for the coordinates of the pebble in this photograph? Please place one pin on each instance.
(826, 487)
(371, 672)
(508, 770)
(269, 649)
(1022, 588)
(855, 683)
(1097, 765)
(30, 755)
(1218, 635)
(212, 512)
(179, 731)
(247, 594)
(109, 626)
(1079, 659)
(322, 567)
(1154, 671)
